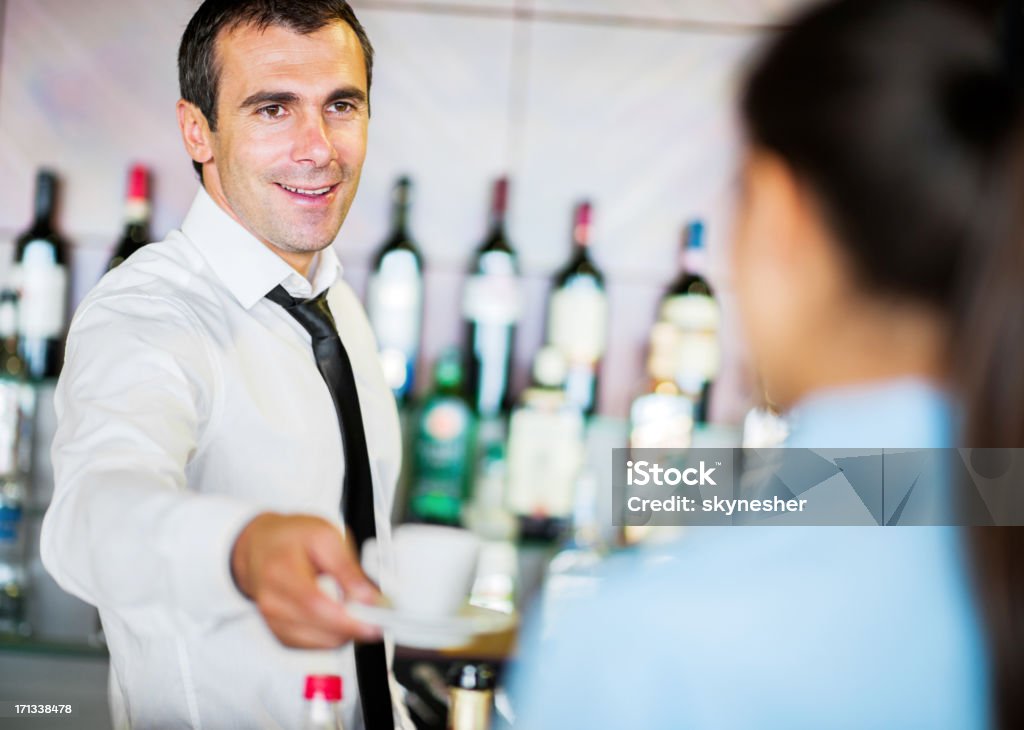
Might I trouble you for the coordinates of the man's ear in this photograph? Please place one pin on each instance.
(195, 132)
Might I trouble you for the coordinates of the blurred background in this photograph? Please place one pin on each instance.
(627, 106)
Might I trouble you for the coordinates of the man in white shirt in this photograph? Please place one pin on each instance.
(198, 460)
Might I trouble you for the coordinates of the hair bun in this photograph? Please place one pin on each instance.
(982, 107)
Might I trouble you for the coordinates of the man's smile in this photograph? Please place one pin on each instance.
(309, 194)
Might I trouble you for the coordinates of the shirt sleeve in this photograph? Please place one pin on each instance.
(124, 531)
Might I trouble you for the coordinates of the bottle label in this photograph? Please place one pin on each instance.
(10, 523)
(692, 312)
(545, 455)
(442, 456)
(578, 320)
(470, 709)
(661, 421)
(10, 425)
(44, 290)
(492, 346)
(493, 296)
(698, 357)
(395, 303)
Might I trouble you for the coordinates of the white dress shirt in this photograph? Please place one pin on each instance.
(187, 405)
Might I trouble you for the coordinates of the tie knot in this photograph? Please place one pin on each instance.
(313, 314)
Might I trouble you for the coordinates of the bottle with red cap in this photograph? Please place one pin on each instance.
(492, 306)
(323, 703)
(136, 216)
(578, 316)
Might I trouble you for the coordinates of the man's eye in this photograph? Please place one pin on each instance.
(271, 111)
(343, 107)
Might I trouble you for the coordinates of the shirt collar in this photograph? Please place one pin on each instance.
(903, 413)
(245, 265)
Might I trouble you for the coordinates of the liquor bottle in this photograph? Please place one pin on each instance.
(578, 316)
(545, 452)
(322, 709)
(136, 216)
(492, 306)
(573, 570)
(443, 448)
(471, 696)
(395, 298)
(12, 556)
(13, 472)
(662, 416)
(41, 276)
(690, 306)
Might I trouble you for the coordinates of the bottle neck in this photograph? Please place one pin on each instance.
(44, 204)
(693, 260)
(499, 208)
(400, 209)
(136, 220)
(581, 227)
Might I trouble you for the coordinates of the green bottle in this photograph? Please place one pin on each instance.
(443, 448)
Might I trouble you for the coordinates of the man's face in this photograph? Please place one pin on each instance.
(292, 115)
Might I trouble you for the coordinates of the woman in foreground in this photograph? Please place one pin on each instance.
(879, 269)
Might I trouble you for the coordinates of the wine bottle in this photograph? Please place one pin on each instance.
(443, 449)
(492, 306)
(41, 276)
(691, 307)
(136, 216)
(578, 316)
(395, 298)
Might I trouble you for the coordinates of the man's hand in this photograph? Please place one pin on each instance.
(275, 562)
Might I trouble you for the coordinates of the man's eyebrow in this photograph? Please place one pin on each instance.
(269, 97)
(347, 93)
(342, 93)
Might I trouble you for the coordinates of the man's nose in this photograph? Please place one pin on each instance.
(313, 141)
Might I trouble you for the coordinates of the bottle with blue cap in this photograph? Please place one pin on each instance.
(690, 306)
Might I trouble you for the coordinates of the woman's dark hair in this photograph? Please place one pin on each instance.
(198, 67)
(900, 118)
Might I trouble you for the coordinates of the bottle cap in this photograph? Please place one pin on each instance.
(448, 369)
(138, 182)
(581, 226)
(695, 235)
(327, 686)
(499, 203)
(466, 675)
(549, 367)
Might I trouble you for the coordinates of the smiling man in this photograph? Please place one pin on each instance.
(225, 437)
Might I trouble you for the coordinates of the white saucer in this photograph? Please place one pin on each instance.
(428, 632)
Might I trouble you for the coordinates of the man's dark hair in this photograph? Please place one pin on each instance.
(198, 66)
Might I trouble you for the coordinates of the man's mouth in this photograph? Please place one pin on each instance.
(309, 192)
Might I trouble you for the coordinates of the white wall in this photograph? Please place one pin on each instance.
(628, 103)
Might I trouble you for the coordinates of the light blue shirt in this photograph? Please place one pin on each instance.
(775, 627)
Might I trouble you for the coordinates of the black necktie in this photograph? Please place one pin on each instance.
(357, 491)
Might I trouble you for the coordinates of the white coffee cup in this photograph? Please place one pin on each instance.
(434, 565)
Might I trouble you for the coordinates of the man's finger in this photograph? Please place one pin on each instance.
(333, 553)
